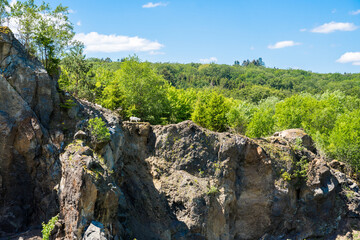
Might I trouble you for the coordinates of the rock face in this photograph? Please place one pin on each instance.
(28, 167)
(177, 181)
(185, 182)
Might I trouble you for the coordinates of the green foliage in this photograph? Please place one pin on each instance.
(69, 103)
(294, 111)
(239, 115)
(286, 176)
(299, 171)
(138, 91)
(99, 131)
(45, 32)
(201, 173)
(47, 228)
(301, 168)
(75, 70)
(262, 122)
(253, 83)
(212, 190)
(344, 142)
(3, 13)
(181, 104)
(210, 111)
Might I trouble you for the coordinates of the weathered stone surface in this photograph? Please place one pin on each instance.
(88, 189)
(292, 135)
(95, 232)
(28, 168)
(27, 77)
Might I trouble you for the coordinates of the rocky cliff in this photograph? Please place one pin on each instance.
(29, 166)
(155, 182)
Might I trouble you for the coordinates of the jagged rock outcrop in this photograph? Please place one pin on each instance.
(29, 169)
(185, 182)
(178, 181)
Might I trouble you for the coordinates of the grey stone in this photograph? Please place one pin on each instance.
(95, 231)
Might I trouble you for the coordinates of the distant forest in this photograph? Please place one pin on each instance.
(249, 81)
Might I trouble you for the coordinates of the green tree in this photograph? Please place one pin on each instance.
(345, 139)
(144, 92)
(26, 14)
(216, 110)
(199, 115)
(210, 111)
(4, 4)
(99, 131)
(75, 69)
(293, 112)
(240, 115)
(262, 122)
(181, 104)
(45, 32)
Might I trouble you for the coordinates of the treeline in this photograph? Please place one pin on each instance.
(145, 90)
(250, 82)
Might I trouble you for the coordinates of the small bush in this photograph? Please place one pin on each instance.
(69, 103)
(99, 131)
(299, 172)
(212, 190)
(47, 228)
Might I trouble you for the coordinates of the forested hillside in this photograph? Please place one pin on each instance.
(251, 100)
(249, 82)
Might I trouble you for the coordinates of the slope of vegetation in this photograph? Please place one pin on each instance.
(251, 100)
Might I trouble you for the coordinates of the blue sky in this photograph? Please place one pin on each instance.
(316, 35)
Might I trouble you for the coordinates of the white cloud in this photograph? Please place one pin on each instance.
(152, 5)
(209, 60)
(12, 3)
(334, 26)
(283, 44)
(71, 11)
(350, 57)
(78, 23)
(156, 53)
(95, 42)
(355, 12)
(303, 30)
